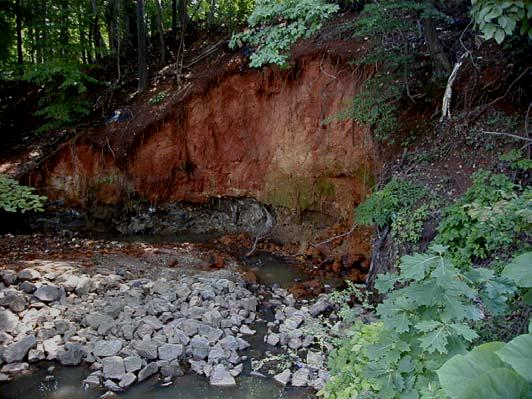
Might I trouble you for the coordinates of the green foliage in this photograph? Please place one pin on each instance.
(408, 225)
(424, 322)
(499, 19)
(492, 370)
(274, 26)
(347, 364)
(516, 160)
(520, 272)
(64, 100)
(376, 106)
(158, 98)
(15, 197)
(491, 217)
(383, 206)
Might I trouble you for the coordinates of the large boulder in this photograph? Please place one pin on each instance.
(17, 352)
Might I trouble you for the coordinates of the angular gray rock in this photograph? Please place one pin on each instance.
(47, 293)
(113, 367)
(146, 349)
(72, 354)
(301, 377)
(14, 301)
(127, 380)
(132, 363)
(148, 371)
(220, 377)
(170, 351)
(106, 348)
(200, 347)
(283, 378)
(17, 352)
(8, 321)
(28, 274)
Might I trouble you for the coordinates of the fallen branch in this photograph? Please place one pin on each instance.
(335, 237)
(514, 136)
(376, 251)
(446, 102)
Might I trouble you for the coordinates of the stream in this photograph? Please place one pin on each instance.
(269, 270)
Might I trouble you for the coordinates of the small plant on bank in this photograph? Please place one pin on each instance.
(158, 98)
(15, 197)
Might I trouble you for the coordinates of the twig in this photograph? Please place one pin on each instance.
(336, 237)
(509, 135)
(268, 225)
(109, 146)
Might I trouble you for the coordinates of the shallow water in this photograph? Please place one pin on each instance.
(67, 385)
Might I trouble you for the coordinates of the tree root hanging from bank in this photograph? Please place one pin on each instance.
(268, 225)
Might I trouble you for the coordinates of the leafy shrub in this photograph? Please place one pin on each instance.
(15, 197)
(516, 160)
(424, 322)
(274, 26)
(491, 217)
(347, 364)
(382, 207)
(498, 19)
(520, 272)
(490, 371)
(65, 87)
(408, 225)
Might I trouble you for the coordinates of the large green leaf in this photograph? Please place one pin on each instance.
(518, 354)
(497, 383)
(520, 270)
(459, 372)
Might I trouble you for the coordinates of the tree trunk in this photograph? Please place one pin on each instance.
(160, 29)
(96, 34)
(63, 39)
(20, 57)
(211, 13)
(141, 47)
(174, 19)
(441, 65)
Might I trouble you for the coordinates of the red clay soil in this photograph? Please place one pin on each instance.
(231, 131)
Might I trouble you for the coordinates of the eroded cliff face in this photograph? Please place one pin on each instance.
(258, 134)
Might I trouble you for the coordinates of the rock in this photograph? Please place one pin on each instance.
(84, 285)
(17, 352)
(36, 355)
(148, 371)
(51, 347)
(71, 356)
(47, 293)
(9, 277)
(170, 351)
(8, 321)
(235, 372)
(216, 353)
(28, 287)
(146, 349)
(272, 339)
(153, 322)
(283, 378)
(315, 359)
(293, 322)
(200, 347)
(112, 386)
(318, 308)
(132, 363)
(229, 343)
(29, 274)
(220, 377)
(113, 367)
(4, 377)
(109, 395)
(295, 343)
(197, 366)
(246, 330)
(127, 380)
(107, 348)
(190, 327)
(300, 378)
(14, 368)
(91, 381)
(171, 369)
(14, 301)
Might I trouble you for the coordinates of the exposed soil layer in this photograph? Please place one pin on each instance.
(258, 134)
